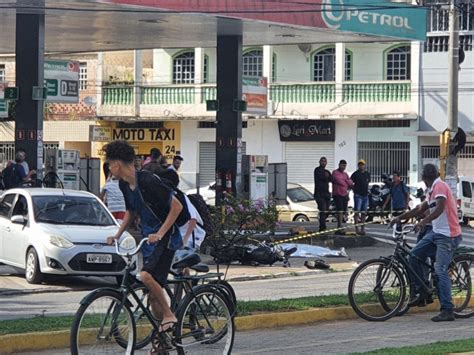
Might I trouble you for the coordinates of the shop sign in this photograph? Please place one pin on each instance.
(144, 134)
(307, 130)
(255, 93)
(61, 80)
(388, 18)
(100, 134)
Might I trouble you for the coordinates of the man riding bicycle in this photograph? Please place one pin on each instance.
(439, 243)
(160, 212)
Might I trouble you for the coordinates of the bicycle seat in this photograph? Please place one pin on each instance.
(200, 268)
(187, 261)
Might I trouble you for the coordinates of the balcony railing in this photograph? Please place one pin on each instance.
(117, 95)
(397, 91)
(303, 93)
(168, 95)
(386, 91)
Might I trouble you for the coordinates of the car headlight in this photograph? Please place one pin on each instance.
(60, 242)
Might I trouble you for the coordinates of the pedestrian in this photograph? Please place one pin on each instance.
(177, 160)
(361, 179)
(322, 178)
(153, 152)
(161, 214)
(341, 183)
(112, 196)
(438, 244)
(399, 195)
(154, 163)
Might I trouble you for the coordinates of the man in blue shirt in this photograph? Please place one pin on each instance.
(161, 214)
(399, 195)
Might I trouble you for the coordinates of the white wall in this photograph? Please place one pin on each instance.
(345, 146)
(435, 92)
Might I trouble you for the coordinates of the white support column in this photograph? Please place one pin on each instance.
(267, 62)
(415, 65)
(340, 69)
(138, 78)
(99, 79)
(267, 72)
(198, 72)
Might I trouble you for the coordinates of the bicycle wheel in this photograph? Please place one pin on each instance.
(229, 292)
(461, 285)
(98, 324)
(373, 281)
(387, 305)
(205, 323)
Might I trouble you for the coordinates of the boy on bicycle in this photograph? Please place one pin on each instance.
(160, 213)
(440, 242)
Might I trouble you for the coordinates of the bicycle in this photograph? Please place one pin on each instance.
(105, 322)
(381, 288)
(181, 285)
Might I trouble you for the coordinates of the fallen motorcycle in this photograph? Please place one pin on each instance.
(262, 253)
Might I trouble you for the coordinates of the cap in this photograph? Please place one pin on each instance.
(362, 161)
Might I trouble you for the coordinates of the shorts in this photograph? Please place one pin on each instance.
(158, 264)
(361, 203)
(341, 203)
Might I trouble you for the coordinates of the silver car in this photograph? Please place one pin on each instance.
(62, 232)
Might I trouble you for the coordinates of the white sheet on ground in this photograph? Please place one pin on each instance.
(309, 251)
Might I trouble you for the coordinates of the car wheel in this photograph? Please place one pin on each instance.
(301, 218)
(33, 273)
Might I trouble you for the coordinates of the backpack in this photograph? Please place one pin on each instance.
(10, 177)
(203, 210)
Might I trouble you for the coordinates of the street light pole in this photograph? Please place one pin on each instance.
(448, 159)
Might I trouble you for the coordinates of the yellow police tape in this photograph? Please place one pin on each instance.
(315, 234)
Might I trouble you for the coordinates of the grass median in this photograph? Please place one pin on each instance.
(439, 348)
(51, 323)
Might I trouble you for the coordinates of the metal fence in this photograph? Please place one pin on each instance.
(385, 157)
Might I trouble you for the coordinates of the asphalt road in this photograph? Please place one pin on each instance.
(343, 337)
(64, 294)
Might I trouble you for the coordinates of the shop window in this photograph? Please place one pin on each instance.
(252, 63)
(398, 63)
(83, 76)
(183, 68)
(324, 65)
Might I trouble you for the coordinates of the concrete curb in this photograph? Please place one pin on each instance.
(60, 339)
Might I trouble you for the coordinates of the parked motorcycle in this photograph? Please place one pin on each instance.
(377, 197)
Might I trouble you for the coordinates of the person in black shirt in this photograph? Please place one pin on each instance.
(361, 179)
(322, 178)
(161, 214)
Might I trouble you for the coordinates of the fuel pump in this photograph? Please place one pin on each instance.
(63, 164)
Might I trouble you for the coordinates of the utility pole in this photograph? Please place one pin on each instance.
(449, 171)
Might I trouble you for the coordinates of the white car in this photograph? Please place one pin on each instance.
(62, 232)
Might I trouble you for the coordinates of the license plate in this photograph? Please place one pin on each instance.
(99, 258)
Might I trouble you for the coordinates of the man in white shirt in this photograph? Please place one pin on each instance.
(192, 232)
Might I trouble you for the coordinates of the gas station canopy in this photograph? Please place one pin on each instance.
(103, 25)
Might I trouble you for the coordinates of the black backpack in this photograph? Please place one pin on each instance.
(203, 210)
(10, 177)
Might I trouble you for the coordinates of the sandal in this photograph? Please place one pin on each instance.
(171, 325)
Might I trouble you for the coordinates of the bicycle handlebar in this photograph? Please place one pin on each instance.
(137, 249)
(403, 231)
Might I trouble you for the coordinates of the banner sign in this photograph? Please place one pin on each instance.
(255, 92)
(372, 17)
(100, 134)
(62, 81)
(307, 130)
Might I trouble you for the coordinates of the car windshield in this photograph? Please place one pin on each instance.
(71, 210)
(299, 194)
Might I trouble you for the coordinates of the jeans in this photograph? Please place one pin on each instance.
(323, 205)
(361, 203)
(441, 248)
